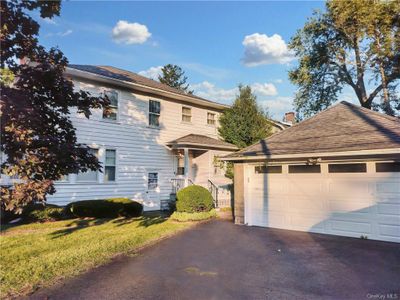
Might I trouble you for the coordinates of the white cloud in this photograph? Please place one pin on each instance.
(264, 89)
(130, 33)
(49, 21)
(152, 72)
(65, 33)
(261, 49)
(209, 91)
(61, 33)
(278, 80)
(278, 106)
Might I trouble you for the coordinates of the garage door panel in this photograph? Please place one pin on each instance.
(347, 226)
(388, 199)
(389, 230)
(308, 222)
(348, 207)
(388, 187)
(388, 209)
(348, 187)
(387, 219)
(302, 203)
(276, 204)
(312, 186)
(277, 220)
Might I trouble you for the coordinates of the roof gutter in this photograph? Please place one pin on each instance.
(143, 88)
(316, 154)
(206, 146)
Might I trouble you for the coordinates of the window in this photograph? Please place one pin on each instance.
(186, 114)
(181, 166)
(388, 167)
(210, 118)
(110, 112)
(305, 169)
(109, 166)
(152, 181)
(154, 113)
(347, 168)
(89, 176)
(268, 169)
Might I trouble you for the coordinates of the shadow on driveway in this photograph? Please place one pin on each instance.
(219, 260)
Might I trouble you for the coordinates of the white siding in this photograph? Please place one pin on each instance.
(140, 149)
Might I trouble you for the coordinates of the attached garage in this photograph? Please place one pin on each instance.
(335, 173)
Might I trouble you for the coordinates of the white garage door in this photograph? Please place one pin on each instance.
(357, 199)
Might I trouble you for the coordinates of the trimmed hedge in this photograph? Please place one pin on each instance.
(198, 216)
(47, 214)
(107, 208)
(194, 198)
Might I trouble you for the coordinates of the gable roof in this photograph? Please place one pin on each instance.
(197, 140)
(134, 78)
(342, 127)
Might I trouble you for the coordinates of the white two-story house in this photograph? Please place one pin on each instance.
(155, 141)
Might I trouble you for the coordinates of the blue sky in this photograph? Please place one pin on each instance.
(218, 44)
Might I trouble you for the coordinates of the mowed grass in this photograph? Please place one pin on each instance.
(40, 254)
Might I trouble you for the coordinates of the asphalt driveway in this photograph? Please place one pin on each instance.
(219, 260)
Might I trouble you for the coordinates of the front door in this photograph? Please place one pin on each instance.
(152, 199)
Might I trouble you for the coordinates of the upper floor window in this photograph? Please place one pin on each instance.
(154, 113)
(89, 176)
(111, 112)
(210, 118)
(186, 114)
(110, 165)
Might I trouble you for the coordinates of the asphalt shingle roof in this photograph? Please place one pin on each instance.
(343, 127)
(119, 74)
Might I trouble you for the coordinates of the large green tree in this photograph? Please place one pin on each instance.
(353, 44)
(174, 76)
(245, 122)
(38, 141)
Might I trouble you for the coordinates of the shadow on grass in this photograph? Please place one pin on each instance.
(148, 219)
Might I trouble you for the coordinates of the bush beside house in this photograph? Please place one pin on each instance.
(194, 198)
(107, 208)
(194, 203)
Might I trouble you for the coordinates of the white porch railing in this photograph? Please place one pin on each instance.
(180, 183)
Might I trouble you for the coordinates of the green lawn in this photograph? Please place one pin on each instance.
(39, 254)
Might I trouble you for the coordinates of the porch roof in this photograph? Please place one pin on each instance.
(198, 141)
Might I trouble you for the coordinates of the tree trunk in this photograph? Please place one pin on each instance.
(361, 90)
(385, 90)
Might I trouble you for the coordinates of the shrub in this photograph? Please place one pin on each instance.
(107, 208)
(198, 216)
(47, 214)
(38, 212)
(194, 198)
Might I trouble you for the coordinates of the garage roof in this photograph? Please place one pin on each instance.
(340, 128)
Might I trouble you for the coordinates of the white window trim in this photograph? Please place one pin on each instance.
(215, 119)
(191, 114)
(158, 180)
(148, 115)
(103, 91)
(104, 165)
